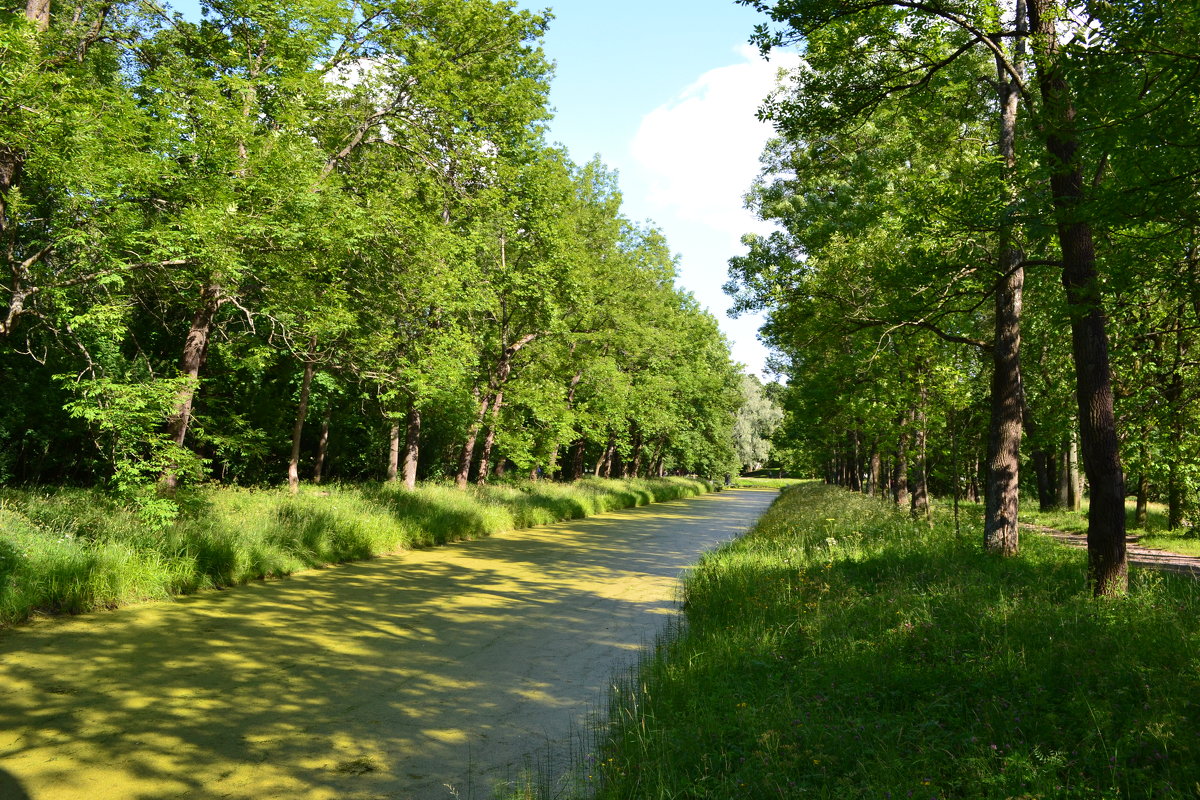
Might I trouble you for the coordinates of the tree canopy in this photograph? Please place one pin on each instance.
(326, 238)
(939, 168)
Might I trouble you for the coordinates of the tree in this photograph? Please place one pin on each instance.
(757, 419)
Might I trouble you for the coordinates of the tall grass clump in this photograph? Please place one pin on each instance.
(75, 550)
(841, 650)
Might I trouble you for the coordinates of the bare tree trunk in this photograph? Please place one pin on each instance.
(1143, 498)
(604, 465)
(1005, 428)
(900, 470)
(1064, 474)
(393, 462)
(876, 471)
(1042, 463)
(412, 446)
(1107, 566)
(467, 454)
(485, 457)
(1000, 532)
(1173, 392)
(298, 428)
(577, 459)
(1074, 481)
(636, 458)
(853, 470)
(656, 461)
(322, 445)
(920, 494)
(195, 349)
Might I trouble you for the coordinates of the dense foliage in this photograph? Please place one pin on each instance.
(327, 238)
(987, 231)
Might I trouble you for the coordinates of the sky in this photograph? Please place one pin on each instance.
(665, 92)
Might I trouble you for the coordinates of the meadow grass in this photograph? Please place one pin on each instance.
(76, 550)
(841, 650)
(1155, 534)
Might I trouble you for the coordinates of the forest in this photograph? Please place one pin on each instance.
(986, 268)
(325, 240)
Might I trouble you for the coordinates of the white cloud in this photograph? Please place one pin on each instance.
(700, 151)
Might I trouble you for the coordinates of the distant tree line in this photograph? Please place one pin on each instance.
(324, 239)
(987, 266)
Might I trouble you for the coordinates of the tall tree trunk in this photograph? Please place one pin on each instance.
(604, 465)
(322, 445)
(900, 470)
(1070, 486)
(298, 427)
(467, 454)
(577, 459)
(635, 460)
(1074, 481)
(875, 470)
(393, 461)
(1143, 501)
(920, 490)
(1173, 392)
(656, 461)
(1000, 532)
(1042, 464)
(1107, 567)
(412, 446)
(195, 349)
(853, 472)
(485, 456)
(1174, 496)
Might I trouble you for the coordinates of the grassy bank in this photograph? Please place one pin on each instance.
(840, 650)
(74, 550)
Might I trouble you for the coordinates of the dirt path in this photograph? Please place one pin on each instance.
(394, 678)
(1137, 555)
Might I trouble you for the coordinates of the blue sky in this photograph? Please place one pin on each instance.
(665, 92)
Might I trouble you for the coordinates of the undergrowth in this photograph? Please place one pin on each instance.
(840, 650)
(75, 550)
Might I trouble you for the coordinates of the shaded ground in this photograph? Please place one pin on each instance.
(1137, 555)
(421, 675)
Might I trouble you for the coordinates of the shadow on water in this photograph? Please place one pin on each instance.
(414, 676)
(10, 787)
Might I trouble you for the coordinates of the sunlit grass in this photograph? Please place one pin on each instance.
(74, 550)
(1155, 534)
(841, 651)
